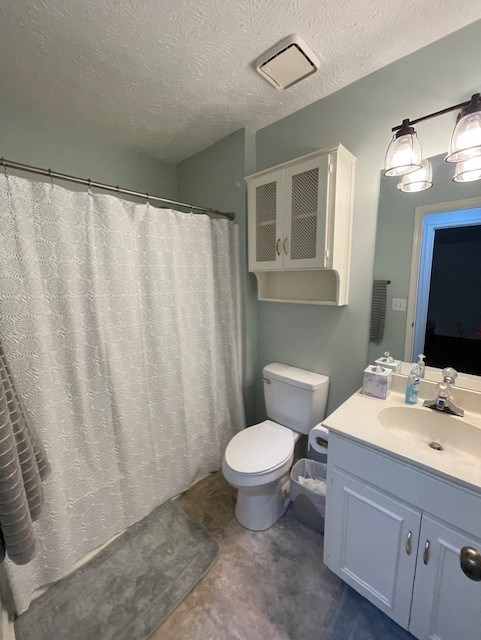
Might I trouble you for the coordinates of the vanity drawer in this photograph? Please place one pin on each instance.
(454, 503)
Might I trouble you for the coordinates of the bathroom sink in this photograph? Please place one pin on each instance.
(445, 434)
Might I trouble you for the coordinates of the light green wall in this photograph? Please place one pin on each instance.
(335, 340)
(394, 242)
(215, 177)
(30, 140)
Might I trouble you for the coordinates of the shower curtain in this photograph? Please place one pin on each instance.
(120, 324)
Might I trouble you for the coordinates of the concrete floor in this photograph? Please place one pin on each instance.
(269, 585)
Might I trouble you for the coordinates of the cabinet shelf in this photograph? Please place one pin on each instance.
(313, 286)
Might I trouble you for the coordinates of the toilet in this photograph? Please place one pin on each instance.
(257, 460)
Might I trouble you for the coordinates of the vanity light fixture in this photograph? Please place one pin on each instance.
(466, 138)
(418, 180)
(404, 152)
(404, 156)
(468, 171)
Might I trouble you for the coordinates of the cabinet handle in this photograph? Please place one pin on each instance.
(409, 545)
(277, 246)
(470, 561)
(426, 552)
(284, 245)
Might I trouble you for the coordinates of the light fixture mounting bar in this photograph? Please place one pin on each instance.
(455, 107)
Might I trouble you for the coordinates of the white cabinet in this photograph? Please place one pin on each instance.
(395, 533)
(446, 603)
(306, 214)
(373, 544)
(300, 220)
(266, 227)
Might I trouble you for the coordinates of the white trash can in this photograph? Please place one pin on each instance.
(308, 492)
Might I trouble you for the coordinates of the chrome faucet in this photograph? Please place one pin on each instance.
(443, 400)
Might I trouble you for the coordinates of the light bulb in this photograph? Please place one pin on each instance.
(404, 153)
(468, 171)
(418, 180)
(466, 137)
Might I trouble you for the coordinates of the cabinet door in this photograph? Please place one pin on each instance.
(446, 603)
(304, 243)
(370, 542)
(265, 200)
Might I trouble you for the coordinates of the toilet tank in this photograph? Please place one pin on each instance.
(294, 397)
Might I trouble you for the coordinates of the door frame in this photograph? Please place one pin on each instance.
(421, 261)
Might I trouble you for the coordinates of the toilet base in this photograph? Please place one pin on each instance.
(258, 508)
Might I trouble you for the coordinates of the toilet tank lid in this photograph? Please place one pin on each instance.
(296, 377)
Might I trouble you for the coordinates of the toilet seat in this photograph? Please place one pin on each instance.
(260, 449)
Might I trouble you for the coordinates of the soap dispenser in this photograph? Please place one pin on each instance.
(421, 365)
(412, 386)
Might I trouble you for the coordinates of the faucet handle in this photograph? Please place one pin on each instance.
(449, 375)
(443, 390)
(443, 396)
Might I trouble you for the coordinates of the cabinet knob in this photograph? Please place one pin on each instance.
(427, 544)
(284, 245)
(277, 246)
(409, 544)
(470, 561)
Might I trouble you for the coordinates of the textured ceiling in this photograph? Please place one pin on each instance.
(173, 76)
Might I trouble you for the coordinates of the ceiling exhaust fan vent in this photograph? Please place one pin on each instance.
(287, 62)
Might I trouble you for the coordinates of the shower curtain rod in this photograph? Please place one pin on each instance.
(10, 164)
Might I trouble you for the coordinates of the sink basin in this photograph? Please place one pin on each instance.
(444, 433)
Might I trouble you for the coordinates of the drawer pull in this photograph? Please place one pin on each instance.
(426, 552)
(409, 544)
(470, 561)
(277, 246)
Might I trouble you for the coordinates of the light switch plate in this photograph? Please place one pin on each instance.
(399, 304)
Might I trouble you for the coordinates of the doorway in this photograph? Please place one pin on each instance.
(446, 323)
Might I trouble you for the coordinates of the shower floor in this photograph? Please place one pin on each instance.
(269, 585)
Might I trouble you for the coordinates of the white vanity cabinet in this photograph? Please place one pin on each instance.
(300, 219)
(446, 603)
(394, 533)
(375, 545)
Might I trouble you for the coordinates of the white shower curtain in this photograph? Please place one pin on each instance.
(120, 324)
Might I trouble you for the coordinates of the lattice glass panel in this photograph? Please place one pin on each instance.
(266, 209)
(305, 192)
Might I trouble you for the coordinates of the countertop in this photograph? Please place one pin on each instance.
(358, 418)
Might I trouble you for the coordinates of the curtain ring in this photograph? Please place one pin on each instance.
(148, 199)
(51, 177)
(89, 190)
(118, 189)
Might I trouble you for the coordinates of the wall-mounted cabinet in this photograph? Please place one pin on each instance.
(300, 221)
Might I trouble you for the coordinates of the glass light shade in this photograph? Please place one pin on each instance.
(403, 155)
(468, 171)
(466, 138)
(418, 180)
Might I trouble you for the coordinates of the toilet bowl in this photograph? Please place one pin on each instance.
(257, 460)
